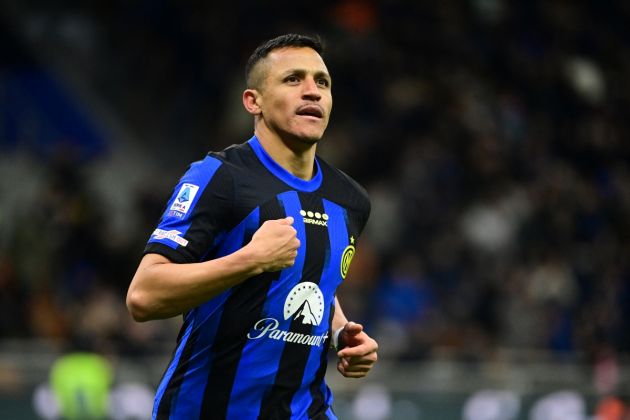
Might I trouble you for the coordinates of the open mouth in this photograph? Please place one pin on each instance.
(310, 111)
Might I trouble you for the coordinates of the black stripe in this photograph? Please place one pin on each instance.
(318, 406)
(241, 311)
(172, 389)
(277, 401)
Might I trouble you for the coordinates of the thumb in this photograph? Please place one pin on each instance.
(352, 328)
(286, 221)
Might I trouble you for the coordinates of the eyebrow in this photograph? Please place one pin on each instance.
(303, 72)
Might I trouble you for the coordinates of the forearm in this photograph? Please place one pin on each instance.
(162, 289)
(339, 319)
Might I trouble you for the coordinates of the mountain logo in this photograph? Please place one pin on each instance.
(305, 303)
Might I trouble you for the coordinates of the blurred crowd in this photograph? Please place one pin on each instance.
(492, 136)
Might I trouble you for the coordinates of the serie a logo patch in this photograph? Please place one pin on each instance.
(184, 199)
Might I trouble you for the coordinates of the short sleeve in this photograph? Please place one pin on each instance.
(365, 214)
(196, 214)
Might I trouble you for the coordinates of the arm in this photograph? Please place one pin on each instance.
(162, 289)
(339, 319)
(356, 350)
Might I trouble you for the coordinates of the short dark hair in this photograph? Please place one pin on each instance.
(282, 41)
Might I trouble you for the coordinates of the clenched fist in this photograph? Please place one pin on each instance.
(275, 244)
(358, 355)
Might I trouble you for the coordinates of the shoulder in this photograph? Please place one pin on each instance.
(212, 179)
(203, 170)
(221, 164)
(343, 188)
(235, 155)
(206, 176)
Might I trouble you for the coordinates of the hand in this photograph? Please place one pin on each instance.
(275, 244)
(358, 355)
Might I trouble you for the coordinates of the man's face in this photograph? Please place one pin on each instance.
(295, 96)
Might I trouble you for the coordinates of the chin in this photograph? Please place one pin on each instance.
(307, 141)
(310, 139)
(307, 138)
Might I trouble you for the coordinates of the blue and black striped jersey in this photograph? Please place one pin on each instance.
(259, 349)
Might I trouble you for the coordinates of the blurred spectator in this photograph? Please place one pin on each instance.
(405, 302)
(492, 405)
(372, 402)
(560, 405)
(81, 383)
(612, 408)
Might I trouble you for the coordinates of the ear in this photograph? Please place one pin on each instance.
(251, 99)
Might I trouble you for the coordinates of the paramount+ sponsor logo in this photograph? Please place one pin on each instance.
(268, 327)
(305, 304)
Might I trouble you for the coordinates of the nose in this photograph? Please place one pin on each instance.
(311, 91)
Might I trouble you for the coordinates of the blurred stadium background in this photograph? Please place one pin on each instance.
(492, 135)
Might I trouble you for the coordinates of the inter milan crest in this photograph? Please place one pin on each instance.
(346, 258)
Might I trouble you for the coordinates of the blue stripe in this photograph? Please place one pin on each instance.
(171, 369)
(338, 236)
(328, 397)
(199, 174)
(234, 239)
(207, 318)
(191, 390)
(261, 357)
(330, 280)
(284, 175)
(290, 276)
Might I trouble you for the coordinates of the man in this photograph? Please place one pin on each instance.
(81, 383)
(251, 248)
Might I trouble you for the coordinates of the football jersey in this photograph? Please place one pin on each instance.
(259, 349)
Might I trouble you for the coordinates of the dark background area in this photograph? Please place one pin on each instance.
(491, 135)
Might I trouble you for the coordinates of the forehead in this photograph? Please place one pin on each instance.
(290, 58)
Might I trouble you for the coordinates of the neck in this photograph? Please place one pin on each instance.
(295, 156)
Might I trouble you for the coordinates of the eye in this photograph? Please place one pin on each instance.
(292, 79)
(323, 82)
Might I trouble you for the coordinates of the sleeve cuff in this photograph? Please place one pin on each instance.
(335, 337)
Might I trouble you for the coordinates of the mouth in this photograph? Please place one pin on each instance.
(314, 111)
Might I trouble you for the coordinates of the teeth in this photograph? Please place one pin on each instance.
(310, 114)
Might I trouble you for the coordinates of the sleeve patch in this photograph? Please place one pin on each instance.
(173, 235)
(183, 200)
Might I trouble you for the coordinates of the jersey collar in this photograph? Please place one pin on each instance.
(284, 175)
